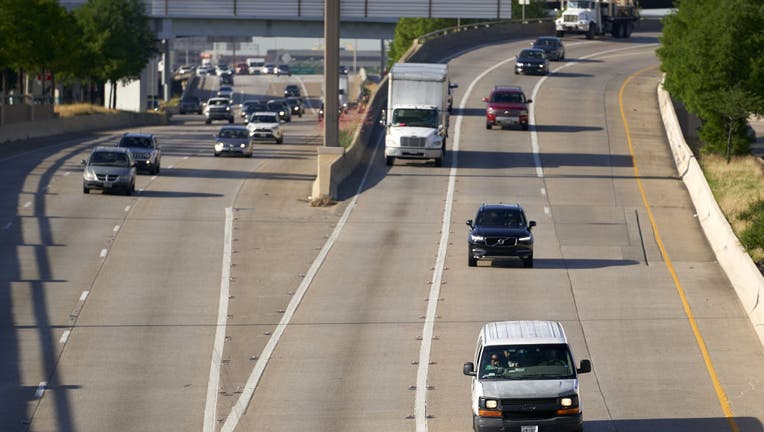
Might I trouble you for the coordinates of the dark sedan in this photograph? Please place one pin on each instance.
(552, 46)
(500, 231)
(532, 60)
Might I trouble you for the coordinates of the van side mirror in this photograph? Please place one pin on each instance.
(531, 224)
(453, 85)
(469, 369)
(529, 101)
(586, 367)
(83, 162)
(470, 223)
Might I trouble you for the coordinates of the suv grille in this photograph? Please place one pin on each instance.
(412, 142)
(520, 409)
(501, 241)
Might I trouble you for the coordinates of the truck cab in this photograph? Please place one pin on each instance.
(597, 17)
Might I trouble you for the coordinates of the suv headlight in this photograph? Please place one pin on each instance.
(476, 238)
(491, 110)
(526, 239)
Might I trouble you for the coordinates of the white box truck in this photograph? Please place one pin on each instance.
(417, 112)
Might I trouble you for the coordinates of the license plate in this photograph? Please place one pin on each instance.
(509, 120)
(258, 135)
(534, 428)
(107, 184)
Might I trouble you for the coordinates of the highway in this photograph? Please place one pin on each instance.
(217, 299)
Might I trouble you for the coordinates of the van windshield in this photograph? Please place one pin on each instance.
(526, 362)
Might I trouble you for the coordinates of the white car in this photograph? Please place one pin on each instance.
(264, 125)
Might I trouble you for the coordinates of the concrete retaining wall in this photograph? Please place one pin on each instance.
(85, 123)
(732, 257)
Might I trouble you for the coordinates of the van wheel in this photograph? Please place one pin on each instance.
(528, 262)
(389, 160)
(439, 162)
(279, 140)
(85, 190)
(471, 261)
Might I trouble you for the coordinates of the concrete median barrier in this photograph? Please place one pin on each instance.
(84, 123)
(732, 257)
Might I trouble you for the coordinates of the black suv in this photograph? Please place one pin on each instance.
(291, 90)
(500, 231)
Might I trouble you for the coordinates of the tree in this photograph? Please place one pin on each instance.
(408, 29)
(118, 39)
(712, 52)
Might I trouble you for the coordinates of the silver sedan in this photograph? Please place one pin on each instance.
(233, 140)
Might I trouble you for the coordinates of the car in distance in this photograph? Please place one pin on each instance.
(218, 108)
(109, 169)
(282, 70)
(145, 150)
(226, 79)
(268, 69)
(552, 46)
(265, 125)
(532, 61)
(291, 90)
(506, 106)
(249, 107)
(500, 231)
(225, 91)
(233, 140)
(524, 378)
(190, 104)
(296, 105)
(241, 69)
(280, 106)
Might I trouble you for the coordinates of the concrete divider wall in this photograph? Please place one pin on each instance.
(84, 123)
(732, 257)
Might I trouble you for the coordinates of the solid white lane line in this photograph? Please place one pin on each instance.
(67, 173)
(103, 253)
(127, 209)
(116, 228)
(64, 336)
(420, 402)
(84, 295)
(249, 388)
(27, 204)
(40, 389)
(217, 348)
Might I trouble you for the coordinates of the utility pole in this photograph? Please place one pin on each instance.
(331, 72)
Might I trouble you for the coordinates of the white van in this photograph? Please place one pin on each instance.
(526, 379)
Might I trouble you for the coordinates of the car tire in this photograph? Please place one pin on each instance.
(439, 162)
(217, 154)
(489, 126)
(207, 121)
(230, 121)
(471, 261)
(528, 262)
(389, 160)
(560, 33)
(279, 140)
(525, 126)
(85, 190)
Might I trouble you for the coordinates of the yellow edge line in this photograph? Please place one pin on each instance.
(720, 394)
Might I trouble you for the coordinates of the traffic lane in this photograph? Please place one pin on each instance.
(52, 248)
(346, 359)
(147, 302)
(526, 311)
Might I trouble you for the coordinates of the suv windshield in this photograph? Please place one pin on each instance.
(415, 117)
(526, 362)
(500, 218)
(109, 158)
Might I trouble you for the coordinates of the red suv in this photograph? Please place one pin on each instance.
(506, 106)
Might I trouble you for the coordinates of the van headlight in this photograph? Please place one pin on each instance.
(88, 174)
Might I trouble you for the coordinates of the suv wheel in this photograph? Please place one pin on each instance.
(389, 160)
(85, 190)
(489, 126)
(471, 261)
(528, 262)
